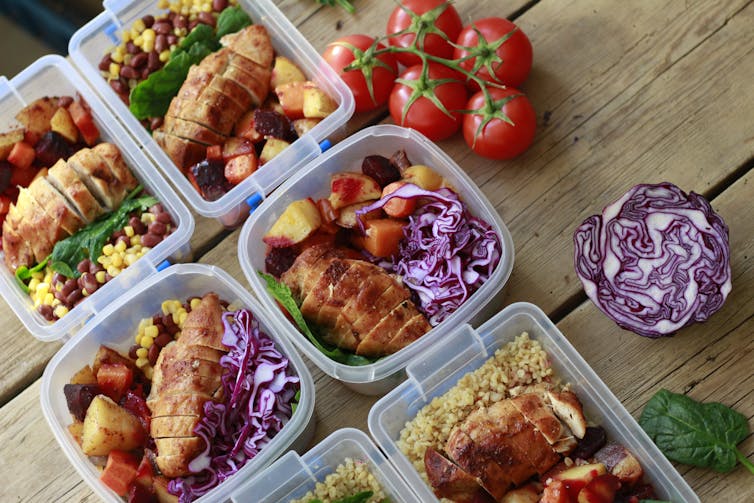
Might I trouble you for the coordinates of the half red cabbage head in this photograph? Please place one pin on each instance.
(259, 388)
(656, 260)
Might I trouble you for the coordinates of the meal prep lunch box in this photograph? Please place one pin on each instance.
(54, 76)
(312, 181)
(116, 326)
(436, 371)
(292, 476)
(93, 40)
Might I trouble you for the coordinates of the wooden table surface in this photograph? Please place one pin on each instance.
(625, 93)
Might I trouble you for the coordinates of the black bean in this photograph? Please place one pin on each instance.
(192, 25)
(160, 43)
(124, 239)
(46, 312)
(68, 287)
(157, 228)
(139, 60)
(89, 281)
(83, 266)
(153, 61)
(132, 48)
(156, 122)
(58, 278)
(118, 86)
(154, 352)
(172, 39)
(94, 268)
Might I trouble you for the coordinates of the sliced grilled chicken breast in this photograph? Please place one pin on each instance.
(253, 42)
(56, 204)
(183, 152)
(192, 131)
(36, 226)
(67, 181)
(450, 481)
(98, 178)
(17, 250)
(462, 449)
(114, 159)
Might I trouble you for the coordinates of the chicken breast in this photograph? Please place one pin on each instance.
(35, 226)
(56, 205)
(98, 178)
(192, 131)
(450, 481)
(17, 250)
(183, 152)
(67, 182)
(114, 159)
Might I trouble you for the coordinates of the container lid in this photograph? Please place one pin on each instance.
(90, 43)
(311, 181)
(292, 476)
(434, 372)
(52, 75)
(115, 326)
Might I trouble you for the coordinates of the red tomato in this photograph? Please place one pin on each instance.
(510, 59)
(339, 55)
(438, 13)
(423, 115)
(498, 139)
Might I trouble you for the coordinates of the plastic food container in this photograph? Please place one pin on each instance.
(435, 372)
(54, 76)
(115, 327)
(292, 476)
(89, 44)
(312, 181)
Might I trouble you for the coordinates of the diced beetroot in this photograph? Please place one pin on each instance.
(114, 379)
(137, 406)
(208, 177)
(279, 260)
(6, 172)
(51, 147)
(380, 168)
(140, 494)
(23, 177)
(4, 204)
(271, 123)
(78, 397)
(22, 155)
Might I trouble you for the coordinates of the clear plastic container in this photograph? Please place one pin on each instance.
(115, 327)
(90, 43)
(312, 181)
(434, 373)
(292, 476)
(54, 76)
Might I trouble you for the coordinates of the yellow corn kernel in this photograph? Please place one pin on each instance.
(206, 8)
(117, 57)
(147, 341)
(164, 55)
(144, 323)
(148, 34)
(39, 275)
(85, 292)
(162, 4)
(137, 338)
(148, 370)
(129, 231)
(177, 335)
(100, 277)
(49, 299)
(147, 218)
(120, 246)
(148, 45)
(139, 41)
(129, 259)
(195, 303)
(55, 302)
(113, 271)
(33, 284)
(142, 362)
(108, 249)
(182, 317)
(60, 311)
(114, 69)
(142, 352)
(141, 252)
(117, 260)
(139, 25)
(175, 6)
(136, 240)
(151, 331)
(126, 36)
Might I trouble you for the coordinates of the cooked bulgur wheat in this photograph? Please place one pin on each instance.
(349, 478)
(520, 362)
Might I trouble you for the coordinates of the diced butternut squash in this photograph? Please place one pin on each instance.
(285, 71)
(84, 121)
(423, 176)
(21, 155)
(107, 355)
(299, 221)
(108, 426)
(245, 128)
(397, 207)
(120, 471)
(382, 237)
(62, 123)
(114, 379)
(317, 104)
(7, 140)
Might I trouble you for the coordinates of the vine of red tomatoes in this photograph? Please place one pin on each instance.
(454, 77)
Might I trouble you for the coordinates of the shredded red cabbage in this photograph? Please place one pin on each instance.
(656, 260)
(259, 389)
(446, 254)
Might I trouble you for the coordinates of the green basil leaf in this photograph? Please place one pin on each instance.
(231, 20)
(694, 433)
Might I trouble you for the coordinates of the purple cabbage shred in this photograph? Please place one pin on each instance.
(656, 260)
(446, 254)
(259, 388)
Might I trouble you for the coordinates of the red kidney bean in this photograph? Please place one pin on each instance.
(138, 225)
(94, 268)
(132, 351)
(58, 278)
(74, 297)
(83, 266)
(153, 61)
(118, 86)
(132, 48)
(206, 18)
(128, 73)
(46, 312)
(139, 60)
(156, 122)
(154, 352)
(104, 63)
(180, 21)
(163, 27)
(150, 240)
(125, 239)
(157, 228)
(164, 218)
(172, 39)
(65, 101)
(148, 20)
(192, 25)
(117, 234)
(145, 73)
(163, 339)
(160, 43)
(108, 277)
(219, 5)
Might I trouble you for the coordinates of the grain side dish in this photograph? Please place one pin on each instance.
(350, 478)
(511, 431)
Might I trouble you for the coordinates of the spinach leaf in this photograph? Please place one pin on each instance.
(699, 434)
(231, 20)
(201, 34)
(282, 294)
(296, 400)
(23, 274)
(151, 97)
(89, 241)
